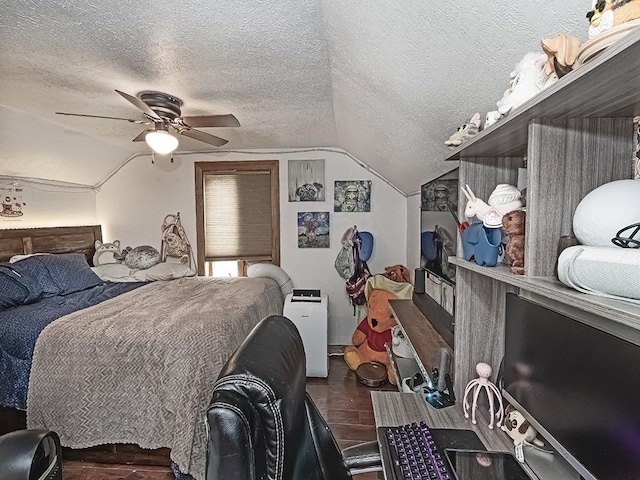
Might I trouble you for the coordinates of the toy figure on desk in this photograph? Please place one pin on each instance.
(484, 372)
(519, 428)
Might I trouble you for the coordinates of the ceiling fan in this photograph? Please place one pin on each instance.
(162, 111)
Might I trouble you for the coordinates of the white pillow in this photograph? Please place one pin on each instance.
(119, 272)
(17, 258)
(269, 270)
(115, 272)
(164, 271)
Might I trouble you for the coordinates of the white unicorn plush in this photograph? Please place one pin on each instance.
(475, 207)
(503, 200)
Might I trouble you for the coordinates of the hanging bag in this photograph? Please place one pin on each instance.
(356, 283)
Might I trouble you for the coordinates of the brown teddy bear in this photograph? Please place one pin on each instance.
(397, 273)
(375, 329)
(513, 225)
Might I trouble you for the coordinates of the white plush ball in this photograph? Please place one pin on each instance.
(606, 210)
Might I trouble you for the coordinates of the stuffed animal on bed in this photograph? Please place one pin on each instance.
(106, 253)
(375, 329)
(140, 258)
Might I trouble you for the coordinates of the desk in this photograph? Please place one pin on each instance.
(391, 409)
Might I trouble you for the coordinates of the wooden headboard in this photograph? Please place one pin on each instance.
(50, 240)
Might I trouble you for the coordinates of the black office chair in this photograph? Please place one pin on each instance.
(30, 455)
(263, 425)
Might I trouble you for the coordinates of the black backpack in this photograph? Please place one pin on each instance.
(356, 283)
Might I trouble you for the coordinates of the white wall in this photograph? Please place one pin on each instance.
(133, 203)
(413, 232)
(51, 206)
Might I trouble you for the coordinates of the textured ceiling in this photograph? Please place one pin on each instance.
(386, 81)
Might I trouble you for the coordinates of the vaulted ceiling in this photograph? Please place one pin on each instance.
(386, 81)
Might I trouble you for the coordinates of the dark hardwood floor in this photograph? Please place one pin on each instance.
(344, 403)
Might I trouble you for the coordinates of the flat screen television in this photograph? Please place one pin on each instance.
(578, 385)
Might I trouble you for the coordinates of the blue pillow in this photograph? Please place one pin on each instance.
(36, 278)
(70, 271)
(12, 291)
(57, 274)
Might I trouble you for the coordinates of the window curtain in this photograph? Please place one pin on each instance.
(237, 216)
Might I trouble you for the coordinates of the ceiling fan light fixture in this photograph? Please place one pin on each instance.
(161, 141)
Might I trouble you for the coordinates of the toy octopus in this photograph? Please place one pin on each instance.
(484, 372)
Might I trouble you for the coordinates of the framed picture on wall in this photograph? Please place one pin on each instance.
(313, 230)
(306, 180)
(352, 196)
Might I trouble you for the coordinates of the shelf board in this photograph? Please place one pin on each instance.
(423, 338)
(591, 91)
(619, 311)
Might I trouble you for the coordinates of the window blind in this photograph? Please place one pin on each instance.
(237, 216)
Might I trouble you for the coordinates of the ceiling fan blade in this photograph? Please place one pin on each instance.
(142, 122)
(140, 104)
(203, 137)
(141, 137)
(211, 121)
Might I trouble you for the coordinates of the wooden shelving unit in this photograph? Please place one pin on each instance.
(589, 92)
(576, 136)
(625, 313)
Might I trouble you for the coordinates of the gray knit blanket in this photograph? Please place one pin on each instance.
(140, 368)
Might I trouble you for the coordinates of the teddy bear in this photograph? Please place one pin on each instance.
(397, 273)
(513, 225)
(374, 330)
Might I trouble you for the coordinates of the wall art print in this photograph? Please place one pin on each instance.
(306, 180)
(13, 201)
(441, 194)
(313, 230)
(352, 196)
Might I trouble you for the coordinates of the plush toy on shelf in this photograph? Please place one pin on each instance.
(465, 132)
(606, 14)
(527, 79)
(513, 224)
(375, 329)
(561, 52)
(503, 199)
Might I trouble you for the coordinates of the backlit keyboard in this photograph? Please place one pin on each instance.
(414, 454)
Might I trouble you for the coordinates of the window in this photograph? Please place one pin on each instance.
(238, 214)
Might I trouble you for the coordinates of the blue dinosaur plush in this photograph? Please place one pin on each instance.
(482, 244)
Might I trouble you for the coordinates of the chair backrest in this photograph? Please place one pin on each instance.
(261, 424)
(30, 455)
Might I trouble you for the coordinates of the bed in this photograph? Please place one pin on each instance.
(137, 367)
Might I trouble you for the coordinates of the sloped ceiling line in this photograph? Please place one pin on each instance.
(98, 185)
(47, 182)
